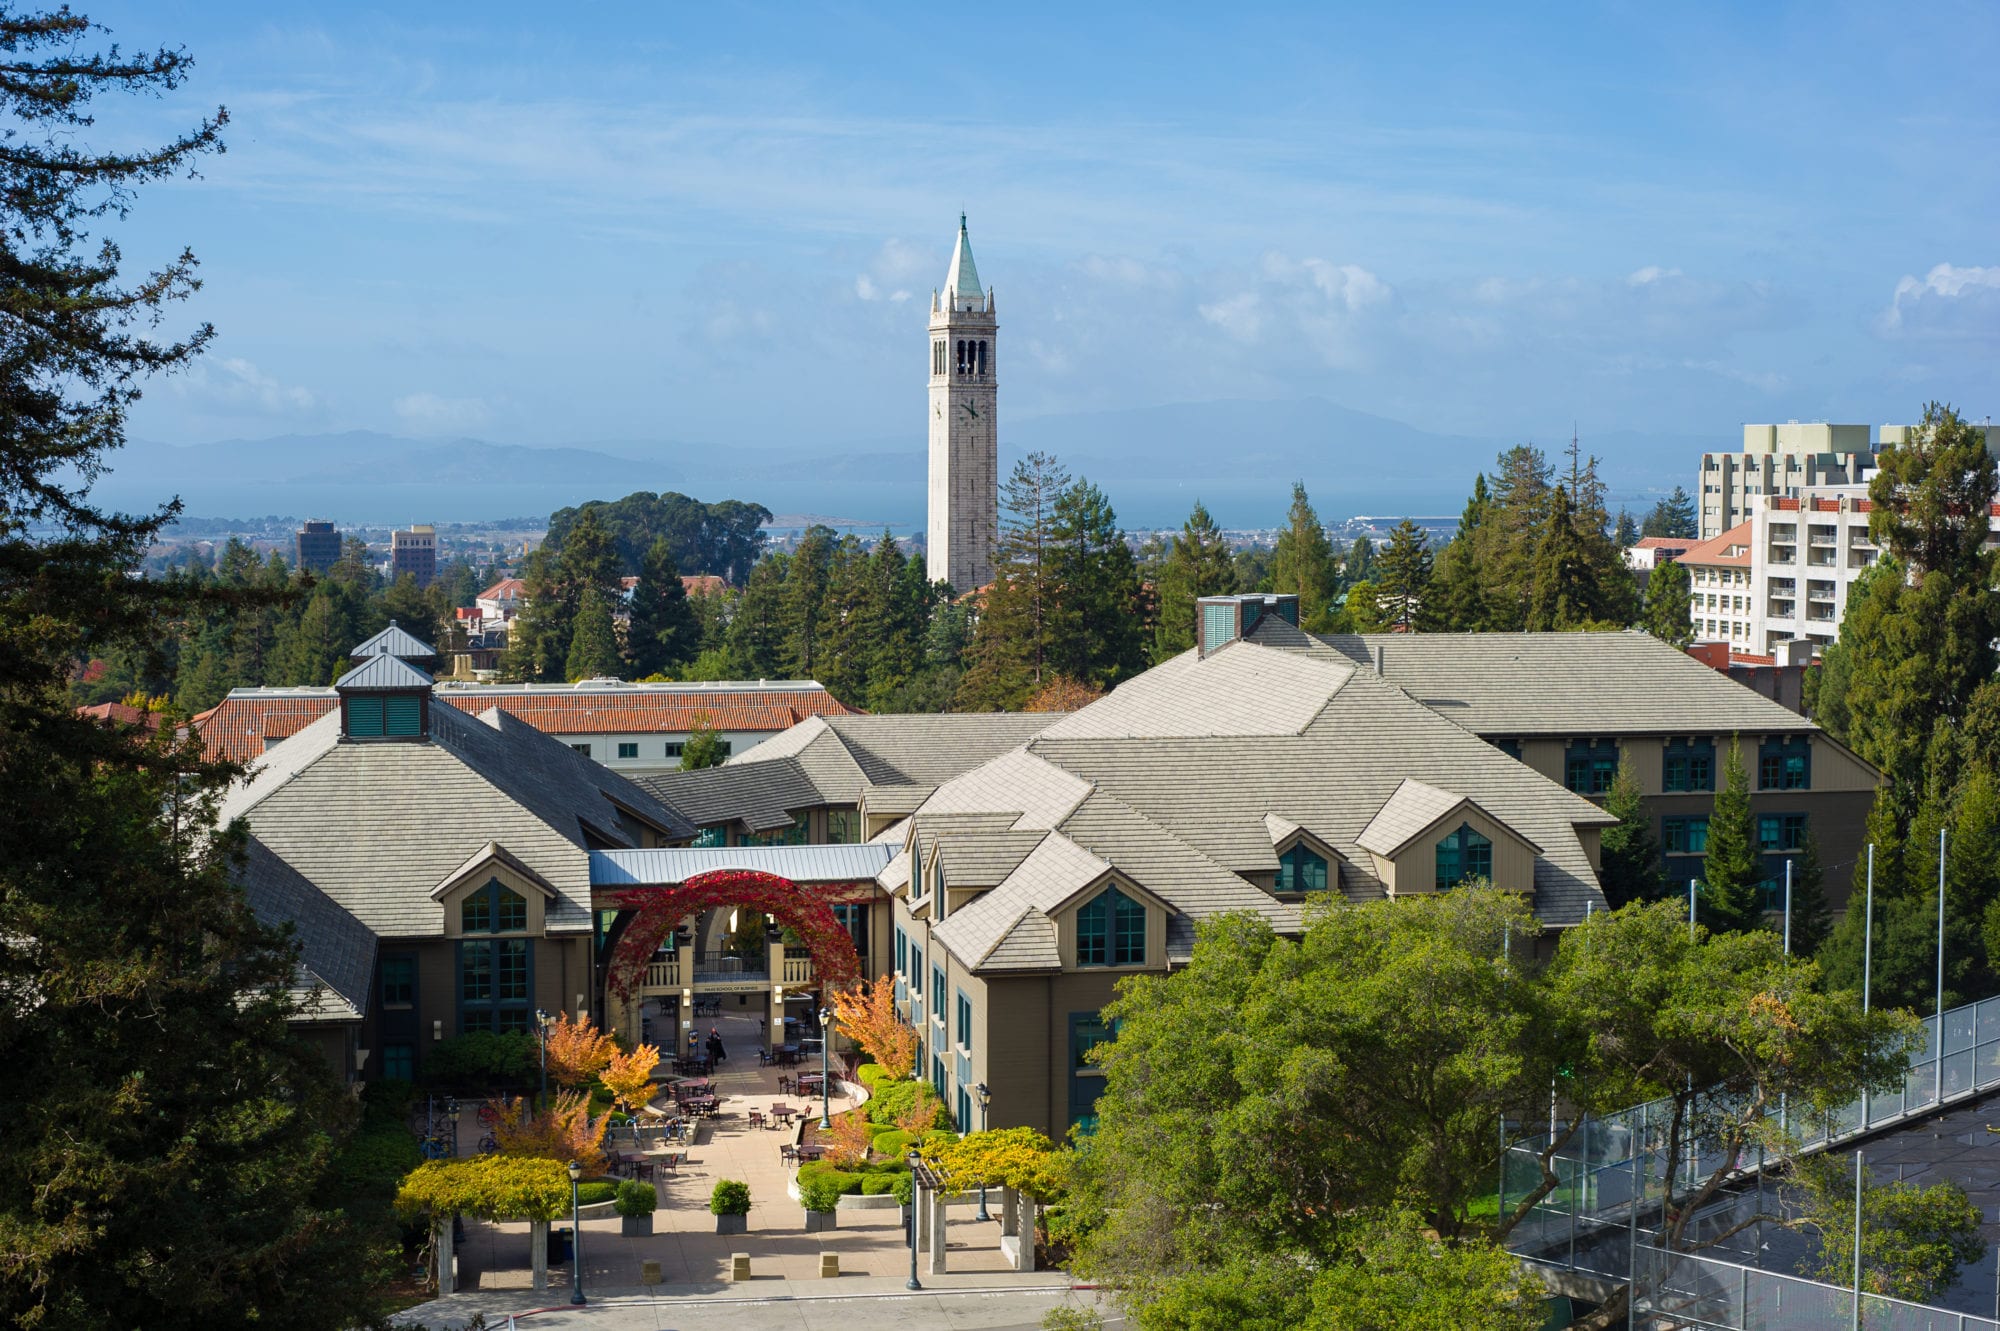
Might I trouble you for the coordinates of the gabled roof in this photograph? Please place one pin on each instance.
(1409, 813)
(377, 826)
(337, 951)
(1584, 684)
(493, 853)
(1729, 550)
(383, 674)
(393, 641)
(507, 589)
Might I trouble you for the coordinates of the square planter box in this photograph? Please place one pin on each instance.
(732, 1224)
(818, 1222)
(632, 1226)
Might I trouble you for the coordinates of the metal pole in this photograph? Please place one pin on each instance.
(916, 1200)
(1788, 908)
(825, 1038)
(1867, 959)
(1856, 1324)
(983, 1097)
(1690, 910)
(1632, 1252)
(1937, 1045)
(576, 1244)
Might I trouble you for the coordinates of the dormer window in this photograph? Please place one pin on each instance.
(1300, 870)
(384, 698)
(1111, 931)
(1461, 855)
(493, 909)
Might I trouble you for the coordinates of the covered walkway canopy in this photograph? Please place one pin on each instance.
(800, 864)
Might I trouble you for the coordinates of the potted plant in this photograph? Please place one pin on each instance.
(821, 1197)
(730, 1204)
(635, 1204)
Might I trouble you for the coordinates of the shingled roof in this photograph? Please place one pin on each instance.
(377, 826)
(1182, 777)
(337, 951)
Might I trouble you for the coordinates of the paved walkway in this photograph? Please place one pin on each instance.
(870, 1243)
(880, 1305)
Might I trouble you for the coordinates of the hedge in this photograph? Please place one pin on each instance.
(482, 1060)
(596, 1192)
(892, 1143)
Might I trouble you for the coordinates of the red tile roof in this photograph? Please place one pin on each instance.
(503, 589)
(703, 584)
(124, 714)
(1715, 552)
(243, 725)
(1655, 542)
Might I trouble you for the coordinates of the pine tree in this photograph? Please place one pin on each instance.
(1669, 610)
(807, 580)
(1522, 492)
(1008, 657)
(593, 647)
(1403, 579)
(1302, 563)
(166, 1139)
(1457, 584)
(703, 746)
(1562, 590)
(1099, 636)
(1357, 562)
(1812, 921)
(1197, 564)
(1630, 852)
(1627, 534)
(661, 633)
(756, 634)
(1673, 518)
(1733, 873)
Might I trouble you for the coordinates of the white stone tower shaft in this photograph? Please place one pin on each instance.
(964, 427)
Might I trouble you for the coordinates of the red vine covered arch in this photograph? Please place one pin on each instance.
(806, 907)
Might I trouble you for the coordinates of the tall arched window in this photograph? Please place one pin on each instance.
(1461, 855)
(982, 358)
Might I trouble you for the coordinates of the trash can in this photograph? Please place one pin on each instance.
(562, 1245)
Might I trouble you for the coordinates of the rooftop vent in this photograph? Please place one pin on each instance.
(1224, 619)
(384, 698)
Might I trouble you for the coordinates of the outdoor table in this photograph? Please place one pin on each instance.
(784, 1114)
(809, 1153)
(808, 1082)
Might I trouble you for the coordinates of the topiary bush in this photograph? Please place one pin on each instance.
(821, 1193)
(875, 1185)
(636, 1198)
(596, 1192)
(894, 1143)
(731, 1197)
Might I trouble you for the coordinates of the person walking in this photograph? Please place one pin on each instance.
(715, 1049)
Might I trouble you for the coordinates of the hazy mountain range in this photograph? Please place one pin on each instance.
(1240, 457)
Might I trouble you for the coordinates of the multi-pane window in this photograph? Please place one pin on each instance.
(674, 748)
(1784, 765)
(1781, 832)
(583, 749)
(1689, 766)
(854, 919)
(710, 837)
(937, 996)
(1299, 870)
(493, 909)
(964, 1022)
(399, 1062)
(628, 750)
(399, 981)
(916, 969)
(495, 977)
(1684, 836)
(1087, 1030)
(902, 950)
(843, 827)
(1589, 768)
(1461, 855)
(1111, 931)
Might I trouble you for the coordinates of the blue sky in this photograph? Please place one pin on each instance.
(718, 223)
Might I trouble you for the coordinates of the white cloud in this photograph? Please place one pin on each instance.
(1239, 316)
(428, 413)
(241, 382)
(1947, 301)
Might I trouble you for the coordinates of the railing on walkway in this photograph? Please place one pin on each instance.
(663, 975)
(721, 967)
(1589, 1222)
(798, 970)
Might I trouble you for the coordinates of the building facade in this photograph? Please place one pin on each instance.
(964, 501)
(1779, 460)
(414, 552)
(315, 547)
(636, 729)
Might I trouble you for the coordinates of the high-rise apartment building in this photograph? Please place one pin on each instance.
(316, 547)
(414, 551)
(1778, 460)
(964, 431)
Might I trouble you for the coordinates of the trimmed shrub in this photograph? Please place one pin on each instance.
(903, 1187)
(840, 1178)
(877, 1129)
(482, 1060)
(893, 1143)
(731, 1197)
(821, 1193)
(868, 1074)
(875, 1185)
(596, 1191)
(636, 1198)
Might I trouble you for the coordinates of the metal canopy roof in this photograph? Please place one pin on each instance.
(801, 864)
(393, 641)
(385, 674)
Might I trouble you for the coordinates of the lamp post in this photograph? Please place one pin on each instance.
(575, 1235)
(542, 1030)
(451, 1109)
(825, 1038)
(916, 1200)
(983, 1095)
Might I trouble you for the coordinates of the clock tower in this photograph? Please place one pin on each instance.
(965, 435)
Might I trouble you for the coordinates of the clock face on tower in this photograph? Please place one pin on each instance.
(972, 411)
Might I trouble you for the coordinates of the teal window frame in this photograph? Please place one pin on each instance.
(496, 984)
(1784, 764)
(1684, 836)
(1465, 852)
(493, 909)
(1781, 833)
(964, 1013)
(628, 750)
(399, 980)
(1111, 930)
(1087, 1030)
(1688, 767)
(399, 1061)
(1590, 767)
(843, 827)
(1300, 869)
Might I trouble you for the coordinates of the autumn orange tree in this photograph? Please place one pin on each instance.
(577, 1050)
(847, 1141)
(867, 1011)
(564, 1131)
(629, 1077)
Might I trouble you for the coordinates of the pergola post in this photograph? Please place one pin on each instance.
(937, 1232)
(447, 1264)
(538, 1242)
(684, 964)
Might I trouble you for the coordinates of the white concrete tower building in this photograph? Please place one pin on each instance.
(965, 434)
